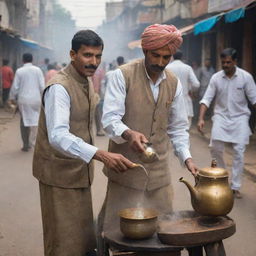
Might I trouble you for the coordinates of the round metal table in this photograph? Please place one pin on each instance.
(209, 238)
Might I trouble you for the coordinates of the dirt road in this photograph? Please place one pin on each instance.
(20, 219)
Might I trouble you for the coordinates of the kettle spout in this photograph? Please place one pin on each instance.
(192, 190)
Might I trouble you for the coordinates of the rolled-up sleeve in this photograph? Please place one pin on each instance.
(192, 79)
(250, 89)
(209, 94)
(114, 107)
(178, 126)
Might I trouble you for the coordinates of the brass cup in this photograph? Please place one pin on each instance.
(149, 155)
(138, 223)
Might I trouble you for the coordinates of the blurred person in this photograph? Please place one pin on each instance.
(231, 87)
(26, 90)
(195, 94)
(57, 66)
(6, 74)
(205, 74)
(102, 90)
(196, 68)
(51, 72)
(97, 80)
(44, 67)
(64, 152)
(120, 60)
(144, 103)
(188, 80)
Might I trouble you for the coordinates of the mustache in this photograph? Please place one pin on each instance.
(91, 67)
(157, 67)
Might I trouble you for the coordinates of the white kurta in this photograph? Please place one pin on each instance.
(231, 112)
(188, 81)
(27, 88)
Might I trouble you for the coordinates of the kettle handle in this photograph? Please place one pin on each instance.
(214, 163)
(196, 180)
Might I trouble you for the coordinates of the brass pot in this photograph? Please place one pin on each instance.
(211, 195)
(138, 223)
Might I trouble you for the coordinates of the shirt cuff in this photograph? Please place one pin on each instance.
(117, 138)
(87, 152)
(184, 155)
(205, 102)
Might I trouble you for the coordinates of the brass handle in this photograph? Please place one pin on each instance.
(140, 165)
(214, 163)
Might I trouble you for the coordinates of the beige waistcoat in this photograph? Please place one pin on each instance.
(50, 166)
(144, 115)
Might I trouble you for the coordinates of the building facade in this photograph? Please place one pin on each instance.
(217, 32)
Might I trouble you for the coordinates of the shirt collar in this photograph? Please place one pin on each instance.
(177, 61)
(235, 74)
(27, 64)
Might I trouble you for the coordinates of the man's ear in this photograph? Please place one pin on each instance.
(72, 54)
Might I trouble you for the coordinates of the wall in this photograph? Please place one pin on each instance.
(4, 13)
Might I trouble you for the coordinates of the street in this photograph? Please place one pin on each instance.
(20, 217)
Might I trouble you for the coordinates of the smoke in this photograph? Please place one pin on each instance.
(116, 43)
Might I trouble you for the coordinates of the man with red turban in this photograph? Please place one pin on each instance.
(144, 104)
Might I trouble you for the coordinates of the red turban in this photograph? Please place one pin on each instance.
(157, 36)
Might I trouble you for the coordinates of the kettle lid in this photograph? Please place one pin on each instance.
(213, 171)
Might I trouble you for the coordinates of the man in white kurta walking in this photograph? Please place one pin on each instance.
(26, 90)
(232, 87)
(188, 81)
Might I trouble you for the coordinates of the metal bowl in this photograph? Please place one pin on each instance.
(138, 223)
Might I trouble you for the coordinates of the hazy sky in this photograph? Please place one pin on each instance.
(87, 13)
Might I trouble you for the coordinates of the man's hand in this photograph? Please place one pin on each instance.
(191, 166)
(117, 162)
(135, 140)
(200, 123)
(200, 126)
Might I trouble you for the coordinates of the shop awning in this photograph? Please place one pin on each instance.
(134, 44)
(234, 15)
(205, 25)
(187, 29)
(29, 43)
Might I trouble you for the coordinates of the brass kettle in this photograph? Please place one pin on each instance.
(211, 195)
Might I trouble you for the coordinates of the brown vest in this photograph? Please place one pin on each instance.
(144, 115)
(51, 166)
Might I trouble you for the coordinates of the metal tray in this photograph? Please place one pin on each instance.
(187, 228)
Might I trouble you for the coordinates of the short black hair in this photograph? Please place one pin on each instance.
(5, 62)
(229, 52)
(120, 60)
(178, 55)
(27, 57)
(86, 37)
(50, 66)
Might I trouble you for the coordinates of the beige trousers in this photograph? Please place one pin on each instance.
(67, 221)
(119, 197)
